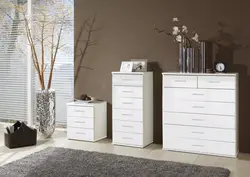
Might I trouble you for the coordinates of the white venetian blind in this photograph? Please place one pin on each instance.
(13, 64)
(63, 75)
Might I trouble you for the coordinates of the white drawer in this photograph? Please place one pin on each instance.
(203, 120)
(80, 134)
(216, 108)
(80, 122)
(127, 103)
(200, 146)
(221, 82)
(199, 94)
(180, 81)
(128, 91)
(80, 111)
(214, 134)
(128, 79)
(127, 139)
(127, 126)
(126, 114)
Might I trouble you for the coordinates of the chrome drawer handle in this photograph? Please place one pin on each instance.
(79, 110)
(80, 133)
(124, 91)
(127, 103)
(127, 138)
(214, 82)
(197, 106)
(127, 114)
(127, 79)
(198, 132)
(180, 81)
(127, 126)
(198, 119)
(198, 94)
(196, 145)
(80, 122)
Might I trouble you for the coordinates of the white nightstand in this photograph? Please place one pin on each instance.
(87, 121)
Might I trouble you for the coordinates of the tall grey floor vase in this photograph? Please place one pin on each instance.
(45, 112)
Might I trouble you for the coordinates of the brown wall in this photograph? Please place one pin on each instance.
(126, 31)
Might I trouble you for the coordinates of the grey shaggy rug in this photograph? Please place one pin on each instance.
(61, 162)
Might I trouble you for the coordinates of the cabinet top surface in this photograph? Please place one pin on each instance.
(200, 74)
(129, 73)
(83, 103)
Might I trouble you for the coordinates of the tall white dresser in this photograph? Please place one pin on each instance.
(132, 95)
(200, 113)
(87, 121)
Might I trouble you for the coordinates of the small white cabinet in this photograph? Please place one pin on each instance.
(87, 121)
(132, 97)
(200, 113)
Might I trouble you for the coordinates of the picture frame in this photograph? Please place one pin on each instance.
(126, 66)
(140, 65)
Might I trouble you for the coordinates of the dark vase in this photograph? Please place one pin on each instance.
(186, 59)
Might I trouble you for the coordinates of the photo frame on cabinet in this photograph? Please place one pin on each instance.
(126, 66)
(140, 65)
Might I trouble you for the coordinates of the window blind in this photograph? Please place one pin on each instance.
(13, 64)
(63, 75)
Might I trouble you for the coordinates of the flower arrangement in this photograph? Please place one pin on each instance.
(186, 44)
(180, 33)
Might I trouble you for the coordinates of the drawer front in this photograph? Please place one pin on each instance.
(199, 94)
(128, 79)
(200, 146)
(221, 82)
(127, 139)
(200, 107)
(180, 81)
(127, 126)
(127, 91)
(203, 120)
(80, 122)
(128, 115)
(127, 103)
(79, 111)
(177, 131)
(80, 134)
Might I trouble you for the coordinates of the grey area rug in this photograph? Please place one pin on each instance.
(61, 162)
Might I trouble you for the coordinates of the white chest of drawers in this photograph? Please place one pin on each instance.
(200, 113)
(132, 96)
(87, 121)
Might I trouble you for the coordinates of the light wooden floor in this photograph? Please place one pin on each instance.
(239, 167)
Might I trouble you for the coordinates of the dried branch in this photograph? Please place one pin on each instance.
(162, 31)
(54, 58)
(78, 40)
(37, 37)
(88, 43)
(86, 67)
(42, 45)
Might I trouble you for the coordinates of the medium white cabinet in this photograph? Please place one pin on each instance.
(87, 121)
(132, 97)
(200, 113)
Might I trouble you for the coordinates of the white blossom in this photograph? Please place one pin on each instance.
(178, 38)
(175, 19)
(196, 37)
(184, 29)
(175, 30)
